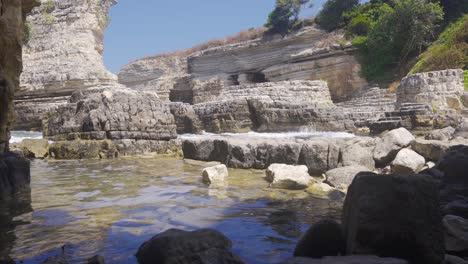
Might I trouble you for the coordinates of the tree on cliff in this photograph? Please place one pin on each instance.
(331, 16)
(284, 16)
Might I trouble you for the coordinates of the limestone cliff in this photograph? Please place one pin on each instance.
(310, 54)
(63, 55)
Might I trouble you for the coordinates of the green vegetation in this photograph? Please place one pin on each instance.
(450, 51)
(28, 32)
(285, 16)
(49, 19)
(465, 74)
(47, 6)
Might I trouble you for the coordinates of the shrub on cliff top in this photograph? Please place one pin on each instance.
(449, 51)
(331, 16)
(401, 33)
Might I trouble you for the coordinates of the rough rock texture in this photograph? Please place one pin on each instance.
(456, 234)
(113, 113)
(407, 161)
(14, 170)
(346, 260)
(204, 246)
(394, 215)
(438, 89)
(63, 55)
(14, 174)
(288, 176)
(388, 146)
(83, 149)
(319, 154)
(34, 148)
(215, 174)
(444, 134)
(344, 176)
(325, 238)
(12, 15)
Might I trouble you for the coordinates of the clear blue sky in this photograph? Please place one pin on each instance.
(142, 28)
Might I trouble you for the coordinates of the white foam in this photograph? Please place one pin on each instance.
(19, 136)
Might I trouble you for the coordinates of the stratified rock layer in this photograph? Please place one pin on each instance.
(114, 113)
(63, 55)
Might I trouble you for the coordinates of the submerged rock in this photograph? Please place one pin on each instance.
(324, 238)
(204, 246)
(288, 176)
(407, 161)
(396, 216)
(215, 174)
(320, 189)
(392, 142)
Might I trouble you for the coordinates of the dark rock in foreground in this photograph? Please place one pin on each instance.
(14, 173)
(325, 238)
(395, 216)
(204, 246)
(454, 165)
(346, 260)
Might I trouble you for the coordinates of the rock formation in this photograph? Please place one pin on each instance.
(14, 170)
(134, 121)
(310, 54)
(63, 55)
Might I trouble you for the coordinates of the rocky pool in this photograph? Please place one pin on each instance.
(111, 207)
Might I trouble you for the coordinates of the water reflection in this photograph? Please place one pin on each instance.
(111, 207)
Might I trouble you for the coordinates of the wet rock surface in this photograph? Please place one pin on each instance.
(203, 246)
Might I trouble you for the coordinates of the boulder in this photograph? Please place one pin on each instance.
(288, 176)
(456, 234)
(457, 207)
(35, 148)
(430, 149)
(449, 259)
(342, 177)
(15, 173)
(407, 161)
(454, 165)
(215, 174)
(320, 156)
(173, 246)
(392, 142)
(444, 134)
(396, 216)
(96, 260)
(325, 238)
(357, 155)
(346, 260)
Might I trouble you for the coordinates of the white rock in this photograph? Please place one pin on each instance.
(342, 177)
(288, 176)
(391, 143)
(215, 174)
(407, 161)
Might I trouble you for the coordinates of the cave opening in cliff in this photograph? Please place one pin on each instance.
(256, 77)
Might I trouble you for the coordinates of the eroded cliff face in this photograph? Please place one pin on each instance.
(12, 14)
(311, 54)
(63, 55)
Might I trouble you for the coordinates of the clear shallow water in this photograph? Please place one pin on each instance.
(111, 207)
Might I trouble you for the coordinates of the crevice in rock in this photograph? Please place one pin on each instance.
(253, 115)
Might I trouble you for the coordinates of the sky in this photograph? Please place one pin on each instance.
(140, 28)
